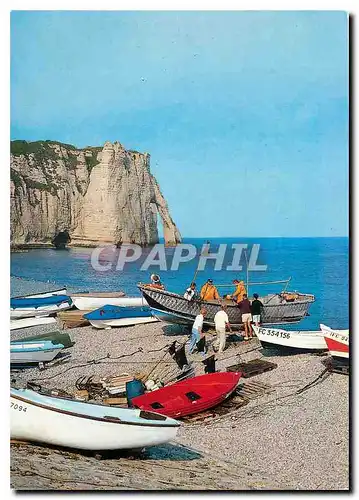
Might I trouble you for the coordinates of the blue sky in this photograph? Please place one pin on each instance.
(245, 114)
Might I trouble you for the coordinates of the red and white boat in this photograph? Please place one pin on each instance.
(189, 396)
(337, 342)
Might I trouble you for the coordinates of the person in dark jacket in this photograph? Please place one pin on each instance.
(256, 309)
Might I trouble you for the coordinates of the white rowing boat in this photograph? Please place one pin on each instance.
(17, 324)
(38, 312)
(35, 351)
(86, 426)
(91, 302)
(291, 339)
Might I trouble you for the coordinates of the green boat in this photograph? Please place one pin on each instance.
(56, 337)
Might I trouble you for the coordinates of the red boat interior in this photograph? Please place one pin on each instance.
(189, 396)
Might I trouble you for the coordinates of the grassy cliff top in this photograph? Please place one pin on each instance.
(19, 147)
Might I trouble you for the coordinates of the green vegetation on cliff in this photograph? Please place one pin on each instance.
(43, 151)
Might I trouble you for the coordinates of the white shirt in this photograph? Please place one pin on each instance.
(189, 294)
(198, 322)
(220, 319)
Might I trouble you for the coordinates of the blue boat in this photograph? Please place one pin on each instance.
(33, 351)
(36, 302)
(108, 316)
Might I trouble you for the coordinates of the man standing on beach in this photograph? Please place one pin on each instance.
(245, 308)
(197, 329)
(221, 322)
(256, 308)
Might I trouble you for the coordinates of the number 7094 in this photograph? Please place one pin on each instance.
(15, 406)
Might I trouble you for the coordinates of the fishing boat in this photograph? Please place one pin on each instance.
(86, 426)
(38, 306)
(33, 351)
(337, 342)
(302, 340)
(50, 293)
(56, 337)
(189, 396)
(108, 316)
(94, 300)
(18, 324)
(280, 308)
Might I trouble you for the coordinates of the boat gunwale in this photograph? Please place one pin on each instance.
(310, 298)
(30, 295)
(90, 417)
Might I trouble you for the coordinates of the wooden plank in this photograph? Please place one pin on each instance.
(253, 367)
(115, 401)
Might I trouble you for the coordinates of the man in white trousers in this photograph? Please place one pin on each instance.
(221, 322)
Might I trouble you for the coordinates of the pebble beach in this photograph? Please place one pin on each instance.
(292, 436)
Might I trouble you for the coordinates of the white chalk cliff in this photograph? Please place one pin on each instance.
(99, 195)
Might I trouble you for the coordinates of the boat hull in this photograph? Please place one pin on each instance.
(176, 309)
(337, 342)
(32, 312)
(33, 352)
(108, 323)
(189, 396)
(66, 423)
(18, 324)
(293, 340)
(91, 303)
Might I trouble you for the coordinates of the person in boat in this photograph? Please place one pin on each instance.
(245, 308)
(209, 291)
(191, 292)
(221, 322)
(197, 329)
(256, 309)
(240, 291)
(156, 282)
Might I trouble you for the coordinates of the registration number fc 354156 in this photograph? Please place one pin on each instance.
(275, 333)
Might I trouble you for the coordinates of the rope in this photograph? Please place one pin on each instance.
(262, 407)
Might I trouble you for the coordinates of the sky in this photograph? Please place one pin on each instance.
(245, 114)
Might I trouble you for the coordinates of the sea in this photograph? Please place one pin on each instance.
(319, 266)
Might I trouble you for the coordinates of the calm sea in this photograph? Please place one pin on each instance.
(316, 265)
